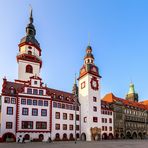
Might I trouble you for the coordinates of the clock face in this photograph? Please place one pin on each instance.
(94, 83)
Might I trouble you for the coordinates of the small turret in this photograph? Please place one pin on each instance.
(89, 58)
(75, 89)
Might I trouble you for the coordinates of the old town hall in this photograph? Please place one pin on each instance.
(35, 112)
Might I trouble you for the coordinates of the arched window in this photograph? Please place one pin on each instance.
(57, 135)
(29, 69)
(30, 52)
(27, 137)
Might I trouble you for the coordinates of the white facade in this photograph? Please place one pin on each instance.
(61, 121)
(86, 95)
(107, 122)
(7, 118)
(22, 63)
(33, 114)
(22, 75)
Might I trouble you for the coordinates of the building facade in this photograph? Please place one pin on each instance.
(35, 112)
(130, 116)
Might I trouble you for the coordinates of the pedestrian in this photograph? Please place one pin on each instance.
(23, 141)
(18, 140)
(49, 140)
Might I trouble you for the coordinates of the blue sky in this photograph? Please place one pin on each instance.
(118, 35)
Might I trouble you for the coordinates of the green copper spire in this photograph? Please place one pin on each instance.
(132, 95)
(131, 89)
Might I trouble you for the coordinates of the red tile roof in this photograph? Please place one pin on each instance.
(19, 87)
(112, 98)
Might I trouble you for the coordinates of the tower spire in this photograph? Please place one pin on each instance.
(31, 17)
(75, 82)
(132, 95)
(88, 39)
(75, 87)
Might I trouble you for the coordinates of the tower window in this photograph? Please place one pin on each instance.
(30, 52)
(29, 69)
(95, 119)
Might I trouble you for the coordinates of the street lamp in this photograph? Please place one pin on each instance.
(75, 94)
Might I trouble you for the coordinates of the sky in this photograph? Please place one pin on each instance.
(118, 35)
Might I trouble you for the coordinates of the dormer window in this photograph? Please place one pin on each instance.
(62, 97)
(12, 90)
(59, 97)
(54, 96)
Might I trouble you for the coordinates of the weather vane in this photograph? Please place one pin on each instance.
(88, 39)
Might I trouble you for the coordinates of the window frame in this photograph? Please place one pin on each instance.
(8, 111)
(36, 112)
(25, 111)
(43, 115)
(9, 125)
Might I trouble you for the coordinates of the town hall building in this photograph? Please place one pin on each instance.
(35, 112)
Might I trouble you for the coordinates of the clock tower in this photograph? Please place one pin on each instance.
(89, 97)
(29, 56)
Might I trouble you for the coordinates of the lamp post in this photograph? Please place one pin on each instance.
(75, 95)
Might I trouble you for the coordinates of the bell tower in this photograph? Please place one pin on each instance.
(89, 97)
(132, 95)
(29, 56)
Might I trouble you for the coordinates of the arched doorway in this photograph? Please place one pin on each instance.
(71, 137)
(110, 136)
(41, 137)
(104, 136)
(122, 136)
(134, 136)
(128, 135)
(144, 135)
(78, 136)
(117, 136)
(27, 137)
(65, 137)
(140, 135)
(9, 137)
(57, 137)
(83, 137)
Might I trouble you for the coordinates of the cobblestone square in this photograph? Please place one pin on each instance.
(80, 144)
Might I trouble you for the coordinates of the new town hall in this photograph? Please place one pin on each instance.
(31, 110)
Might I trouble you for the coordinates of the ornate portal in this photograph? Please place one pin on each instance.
(95, 133)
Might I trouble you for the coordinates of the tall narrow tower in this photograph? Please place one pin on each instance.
(89, 97)
(28, 58)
